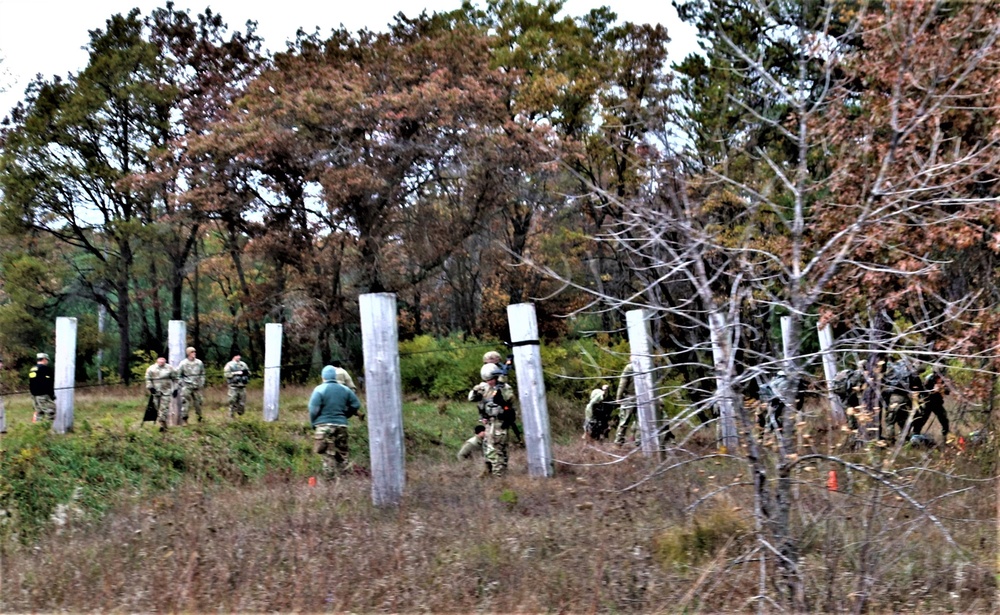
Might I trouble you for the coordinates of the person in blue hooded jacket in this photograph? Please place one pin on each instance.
(330, 406)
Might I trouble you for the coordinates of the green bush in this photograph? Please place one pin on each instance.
(442, 367)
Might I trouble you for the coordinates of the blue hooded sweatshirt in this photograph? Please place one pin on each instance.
(331, 402)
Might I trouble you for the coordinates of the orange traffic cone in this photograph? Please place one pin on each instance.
(831, 481)
(961, 444)
(312, 481)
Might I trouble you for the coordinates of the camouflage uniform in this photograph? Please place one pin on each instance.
(192, 376)
(331, 442)
(344, 378)
(237, 373)
(596, 416)
(473, 444)
(626, 404)
(899, 391)
(160, 382)
(496, 410)
(42, 386)
(330, 405)
(848, 385)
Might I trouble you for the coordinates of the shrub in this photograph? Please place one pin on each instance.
(701, 538)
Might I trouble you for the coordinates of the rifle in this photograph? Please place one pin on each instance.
(150, 414)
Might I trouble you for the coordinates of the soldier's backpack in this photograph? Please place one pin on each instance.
(767, 393)
(898, 375)
(844, 383)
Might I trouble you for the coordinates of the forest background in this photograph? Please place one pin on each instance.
(494, 155)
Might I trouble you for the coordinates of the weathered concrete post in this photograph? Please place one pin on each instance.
(786, 341)
(837, 412)
(637, 322)
(531, 388)
(177, 332)
(384, 396)
(272, 370)
(65, 374)
(722, 348)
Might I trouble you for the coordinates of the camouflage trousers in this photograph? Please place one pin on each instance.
(495, 447)
(45, 407)
(162, 403)
(191, 398)
(330, 441)
(896, 413)
(237, 401)
(626, 421)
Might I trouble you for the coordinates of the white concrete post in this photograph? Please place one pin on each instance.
(786, 342)
(272, 370)
(65, 374)
(830, 371)
(637, 322)
(722, 343)
(531, 388)
(384, 396)
(177, 331)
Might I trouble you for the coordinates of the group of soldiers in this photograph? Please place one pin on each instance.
(187, 380)
(903, 398)
(895, 395)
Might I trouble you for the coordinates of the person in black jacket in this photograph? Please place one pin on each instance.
(42, 386)
(932, 402)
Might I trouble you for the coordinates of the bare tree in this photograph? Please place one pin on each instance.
(876, 177)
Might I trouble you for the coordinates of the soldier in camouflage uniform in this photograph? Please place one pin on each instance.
(192, 376)
(42, 386)
(900, 390)
(476, 443)
(343, 376)
(626, 400)
(237, 375)
(596, 415)
(330, 405)
(496, 411)
(161, 382)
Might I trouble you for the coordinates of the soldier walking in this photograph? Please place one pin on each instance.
(42, 386)
(161, 381)
(596, 415)
(626, 400)
(330, 405)
(192, 377)
(237, 375)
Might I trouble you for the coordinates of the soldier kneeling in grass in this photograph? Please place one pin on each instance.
(330, 405)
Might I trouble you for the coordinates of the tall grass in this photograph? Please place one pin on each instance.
(610, 532)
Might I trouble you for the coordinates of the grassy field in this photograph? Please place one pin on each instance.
(220, 517)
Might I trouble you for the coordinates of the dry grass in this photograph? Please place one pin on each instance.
(587, 540)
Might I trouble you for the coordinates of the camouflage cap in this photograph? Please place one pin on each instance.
(189, 350)
(41, 355)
